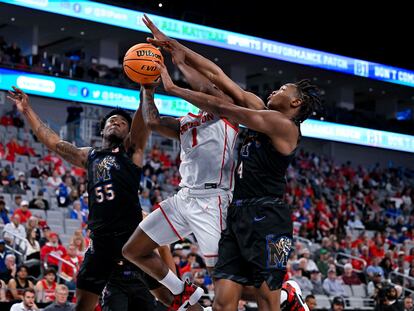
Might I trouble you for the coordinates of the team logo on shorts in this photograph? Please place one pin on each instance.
(278, 251)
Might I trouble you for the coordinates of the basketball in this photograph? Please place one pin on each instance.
(138, 63)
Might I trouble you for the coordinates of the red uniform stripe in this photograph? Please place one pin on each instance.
(224, 153)
(194, 133)
(171, 225)
(221, 214)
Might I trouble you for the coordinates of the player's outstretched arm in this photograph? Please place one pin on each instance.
(206, 67)
(278, 127)
(138, 135)
(166, 126)
(68, 151)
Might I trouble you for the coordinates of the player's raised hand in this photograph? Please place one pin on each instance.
(165, 77)
(158, 34)
(19, 98)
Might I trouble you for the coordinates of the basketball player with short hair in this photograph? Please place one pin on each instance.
(256, 244)
(200, 207)
(114, 173)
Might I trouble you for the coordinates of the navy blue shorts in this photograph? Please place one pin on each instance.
(257, 242)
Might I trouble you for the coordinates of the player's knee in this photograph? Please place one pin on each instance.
(129, 251)
(220, 306)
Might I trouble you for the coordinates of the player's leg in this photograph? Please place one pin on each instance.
(85, 300)
(227, 295)
(115, 298)
(268, 300)
(162, 227)
(206, 217)
(93, 274)
(267, 244)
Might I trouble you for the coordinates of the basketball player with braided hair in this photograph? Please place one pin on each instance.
(255, 247)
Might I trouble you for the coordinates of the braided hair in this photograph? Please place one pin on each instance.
(311, 100)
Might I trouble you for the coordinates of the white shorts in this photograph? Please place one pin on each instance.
(201, 212)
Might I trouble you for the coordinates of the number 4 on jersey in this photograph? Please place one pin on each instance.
(240, 170)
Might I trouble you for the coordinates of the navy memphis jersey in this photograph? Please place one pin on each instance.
(113, 185)
(261, 168)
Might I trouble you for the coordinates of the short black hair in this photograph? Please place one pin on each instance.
(49, 270)
(116, 111)
(311, 99)
(310, 297)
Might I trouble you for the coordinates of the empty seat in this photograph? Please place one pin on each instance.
(38, 213)
(323, 302)
(54, 214)
(359, 290)
(348, 290)
(58, 229)
(356, 302)
(21, 159)
(54, 222)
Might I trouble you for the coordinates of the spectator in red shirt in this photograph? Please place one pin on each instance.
(23, 212)
(52, 247)
(27, 150)
(69, 272)
(377, 250)
(349, 277)
(13, 147)
(2, 151)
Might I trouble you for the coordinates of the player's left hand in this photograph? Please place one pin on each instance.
(165, 77)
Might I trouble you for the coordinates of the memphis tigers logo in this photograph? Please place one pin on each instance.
(278, 251)
(103, 168)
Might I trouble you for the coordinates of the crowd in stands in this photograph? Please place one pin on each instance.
(354, 225)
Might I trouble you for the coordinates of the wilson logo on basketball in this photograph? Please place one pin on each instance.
(148, 53)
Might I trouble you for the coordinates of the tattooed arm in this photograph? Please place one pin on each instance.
(138, 136)
(165, 126)
(48, 137)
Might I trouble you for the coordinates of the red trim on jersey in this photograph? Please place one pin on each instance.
(221, 214)
(194, 115)
(233, 126)
(208, 256)
(194, 133)
(233, 165)
(171, 225)
(224, 153)
(231, 174)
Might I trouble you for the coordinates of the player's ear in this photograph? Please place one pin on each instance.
(296, 102)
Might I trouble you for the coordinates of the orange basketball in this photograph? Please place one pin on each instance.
(138, 63)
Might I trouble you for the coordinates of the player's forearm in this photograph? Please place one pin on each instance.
(52, 140)
(139, 130)
(203, 101)
(43, 132)
(150, 113)
(205, 66)
(197, 81)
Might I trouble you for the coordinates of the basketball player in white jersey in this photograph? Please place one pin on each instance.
(200, 207)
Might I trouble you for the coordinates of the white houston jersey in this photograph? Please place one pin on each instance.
(207, 158)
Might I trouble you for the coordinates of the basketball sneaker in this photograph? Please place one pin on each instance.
(189, 297)
(294, 301)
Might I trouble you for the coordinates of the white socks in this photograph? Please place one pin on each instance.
(173, 283)
(283, 296)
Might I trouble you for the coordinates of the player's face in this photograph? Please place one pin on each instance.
(281, 99)
(116, 126)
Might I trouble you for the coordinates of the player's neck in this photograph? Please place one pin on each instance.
(111, 144)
